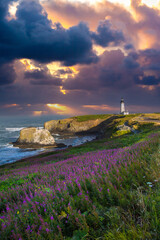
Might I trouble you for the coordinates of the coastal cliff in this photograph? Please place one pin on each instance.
(72, 126)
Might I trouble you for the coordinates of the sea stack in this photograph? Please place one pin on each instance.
(33, 137)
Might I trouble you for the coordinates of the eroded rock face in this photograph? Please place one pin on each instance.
(35, 136)
(72, 126)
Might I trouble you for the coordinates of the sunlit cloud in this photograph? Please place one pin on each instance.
(60, 109)
(10, 105)
(63, 90)
(39, 113)
(145, 40)
(150, 3)
(28, 64)
(53, 67)
(149, 88)
(101, 107)
(126, 3)
(12, 10)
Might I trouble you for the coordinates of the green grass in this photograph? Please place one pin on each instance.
(92, 117)
(138, 215)
(16, 181)
(115, 141)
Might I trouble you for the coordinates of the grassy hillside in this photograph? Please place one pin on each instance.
(92, 117)
(105, 189)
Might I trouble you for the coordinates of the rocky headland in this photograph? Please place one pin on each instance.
(101, 125)
(71, 126)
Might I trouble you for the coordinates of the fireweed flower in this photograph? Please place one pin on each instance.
(79, 171)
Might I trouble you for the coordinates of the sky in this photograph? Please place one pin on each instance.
(71, 57)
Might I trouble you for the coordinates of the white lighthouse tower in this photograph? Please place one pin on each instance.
(122, 109)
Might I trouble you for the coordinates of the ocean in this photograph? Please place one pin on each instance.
(9, 132)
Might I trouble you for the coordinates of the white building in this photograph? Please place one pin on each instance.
(123, 109)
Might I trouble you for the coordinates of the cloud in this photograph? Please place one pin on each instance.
(149, 57)
(114, 70)
(140, 25)
(101, 107)
(131, 62)
(148, 23)
(7, 74)
(148, 81)
(42, 77)
(4, 7)
(65, 71)
(69, 13)
(31, 35)
(106, 35)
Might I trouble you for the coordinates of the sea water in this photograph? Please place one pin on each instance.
(9, 132)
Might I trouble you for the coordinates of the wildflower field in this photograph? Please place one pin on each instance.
(110, 193)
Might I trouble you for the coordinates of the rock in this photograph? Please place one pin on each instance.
(34, 136)
(61, 145)
(124, 128)
(71, 125)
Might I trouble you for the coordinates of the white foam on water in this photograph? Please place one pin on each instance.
(14, 129)
(8, 145)
(18, 129)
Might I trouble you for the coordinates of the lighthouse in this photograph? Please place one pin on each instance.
(122, 108)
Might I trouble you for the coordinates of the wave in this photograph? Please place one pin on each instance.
(56, 134)
(14, 129)
(8, 145)
(18, 129)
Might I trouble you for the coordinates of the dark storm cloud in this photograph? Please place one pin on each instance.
(42, 77)
(45, 44)
(147, 21)
(151, 56)
(106, 34)
(117, 71)
(66, 71)
(131, 63)
(129, 46)
(114, 70)
(7, 73)
(31, 36)
(150, 61)
(148, 81)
